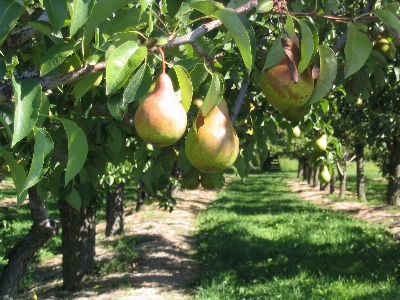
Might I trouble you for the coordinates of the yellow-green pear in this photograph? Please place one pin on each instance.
(212, 144)
(321, 143)
(191, 179)
(207, 181)
(324, 175)
(296, 131)
(161, 119)
(281, 91)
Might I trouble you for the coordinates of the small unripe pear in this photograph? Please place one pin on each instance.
(324, 175)
(321, 143)
(207, 181)
(296, 131)
(191, 179)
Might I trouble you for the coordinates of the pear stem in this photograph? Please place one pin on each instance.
(163, 60)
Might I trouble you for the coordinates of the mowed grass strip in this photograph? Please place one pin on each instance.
(258, 240)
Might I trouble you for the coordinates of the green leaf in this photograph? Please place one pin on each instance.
(289, 26)
(139, 85)
(207, 7)
(357, 49)
(121, 63)
(275, 54)
(74, 199)
(7, 118)
(144, 4)
(390, 20)
(309, 44)
(115, 139)
(85, 84)
(242, 33)
(81, 11)
(214, 94)
(55, 56)
(77, 149)
(264, 6)
(173, 7)
(18, 174)
(41, 156)
(10, 11)
(185, 85)
(28, 98)
(102, 9)
(57, 11)
(240, 165)
(327, 75)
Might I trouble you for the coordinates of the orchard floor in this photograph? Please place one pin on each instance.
(167, 268)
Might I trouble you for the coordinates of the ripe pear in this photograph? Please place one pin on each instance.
(324, 175)
(296, 114)
(321, 143)
(207, 181)
(296, 131)
(191, 179)
(161, 119)
(212, 144)
(382, 45)
(281, 91)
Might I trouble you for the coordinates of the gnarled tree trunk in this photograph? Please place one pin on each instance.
(78, 243)
(115, 210)
(359, 152)
(42, 230)
(393, 188)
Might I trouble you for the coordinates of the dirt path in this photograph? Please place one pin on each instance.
(166, 265)
(380, 214)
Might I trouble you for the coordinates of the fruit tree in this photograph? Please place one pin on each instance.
(89, 83)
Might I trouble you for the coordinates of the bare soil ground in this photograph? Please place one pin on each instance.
(167, 266)
(165, 269)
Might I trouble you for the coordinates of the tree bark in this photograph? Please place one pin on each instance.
(115, 211)
(393, 188)
(332, 182)
(78, 243)
(42, 230)
(301, 166)
(342, 171)
(359, 152)
(140, 194)
(315, 177)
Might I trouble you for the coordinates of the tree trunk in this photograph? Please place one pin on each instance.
(332, 182)
(306, 169)
(342, 171)
(140, 195)
(42, 230)
(393, 188)
(115, 211)
(359, 152)
(315, 177)
(300, 169)
(311, 176)
(78, 243)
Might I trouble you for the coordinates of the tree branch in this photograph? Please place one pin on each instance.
(240, 100)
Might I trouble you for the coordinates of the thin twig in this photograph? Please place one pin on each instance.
(240, 100)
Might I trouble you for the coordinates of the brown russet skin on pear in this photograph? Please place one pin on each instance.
(161, 119)
(212, 144)
(281, 91)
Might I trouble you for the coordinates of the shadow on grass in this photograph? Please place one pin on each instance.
(259, 237)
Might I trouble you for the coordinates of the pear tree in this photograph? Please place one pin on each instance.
(75, 76)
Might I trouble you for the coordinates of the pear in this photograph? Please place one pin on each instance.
(191, 179)
(161, 119)
(212, 144)
(281, 91)
(296, 131)
(324, 175)
(207, 181)
(321, 143)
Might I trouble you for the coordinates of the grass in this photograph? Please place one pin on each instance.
(260, 241)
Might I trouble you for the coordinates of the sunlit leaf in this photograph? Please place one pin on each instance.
(185, 85)
(214, 94)
(309, 44)
(10, 11)
(57, 11)
(81, 11)
(357, 49)
(138, 86)
(55, 56)
(77, 149)
(327, 75)
(28, 97)
(207, 7)
(74, 199)
(121, 63)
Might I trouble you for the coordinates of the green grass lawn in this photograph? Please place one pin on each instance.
(260, 241)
